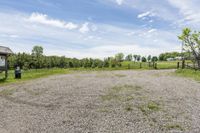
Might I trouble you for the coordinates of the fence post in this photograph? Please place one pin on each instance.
(178, 65)
(183, 64)
(140, 65)
(155, 65)
(129, 66)
(6, 67)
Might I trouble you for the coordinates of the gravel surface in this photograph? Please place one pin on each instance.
(106, 101)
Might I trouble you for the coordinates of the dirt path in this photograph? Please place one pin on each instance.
(116, 101)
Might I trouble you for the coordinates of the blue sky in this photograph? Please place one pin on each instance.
(96, 28)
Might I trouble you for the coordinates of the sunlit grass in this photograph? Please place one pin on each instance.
(188, 73)
(146, 65)
(32, 74)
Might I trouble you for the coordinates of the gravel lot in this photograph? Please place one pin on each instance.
(106, 101)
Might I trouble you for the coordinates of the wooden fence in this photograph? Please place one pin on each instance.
(188, 65)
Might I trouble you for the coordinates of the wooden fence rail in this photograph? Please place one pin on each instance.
(187, 65)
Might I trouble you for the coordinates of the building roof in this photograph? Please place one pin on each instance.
(5, 50)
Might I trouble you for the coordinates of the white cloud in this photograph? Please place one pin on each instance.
(119, 2)
(84, 28)
(44, 19)
(94, 28)
(107, 41)
(9, 35)
(151, 21)
(130, 33)
(160, 10)
(152, 30)
(189, 9)
(70, 26)
(146, 14)
(143, 14)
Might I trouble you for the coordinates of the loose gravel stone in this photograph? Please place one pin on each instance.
(103, 101)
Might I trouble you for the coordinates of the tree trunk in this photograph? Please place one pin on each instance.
(198, 63)
(6, 67)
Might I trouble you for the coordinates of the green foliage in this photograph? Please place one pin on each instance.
(37, 51)
(37, 60)
(129, 57)
(144, 59)
(165, 56)
(135, 57)
(149, 58)
(119, 57)
(154, 59)
(138, 58)
(191, 43)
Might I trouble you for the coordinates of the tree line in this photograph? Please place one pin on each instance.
(36, 60)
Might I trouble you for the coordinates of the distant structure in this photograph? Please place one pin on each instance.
(174, 59)
(4, 53)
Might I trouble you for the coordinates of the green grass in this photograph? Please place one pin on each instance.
(174, 126)
(39, 73)
(167, 65)
(189, 73)
(149, 107)
(145, 65)
(153, 106)
(32, 74)
(114, 93)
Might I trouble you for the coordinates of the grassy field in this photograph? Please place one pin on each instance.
(32, 74)
(145, 65)
(39, 73)
(189, 73)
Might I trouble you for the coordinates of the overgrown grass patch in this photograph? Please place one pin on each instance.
(174, 127)
(121, 93)
(189, 73)
(149, 107)
(129, 98)
(153, 106)
(33, 74)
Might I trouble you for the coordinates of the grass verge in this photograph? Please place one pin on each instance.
(33, 74)
(189, 73)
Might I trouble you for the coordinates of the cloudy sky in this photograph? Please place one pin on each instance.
(96, 28)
